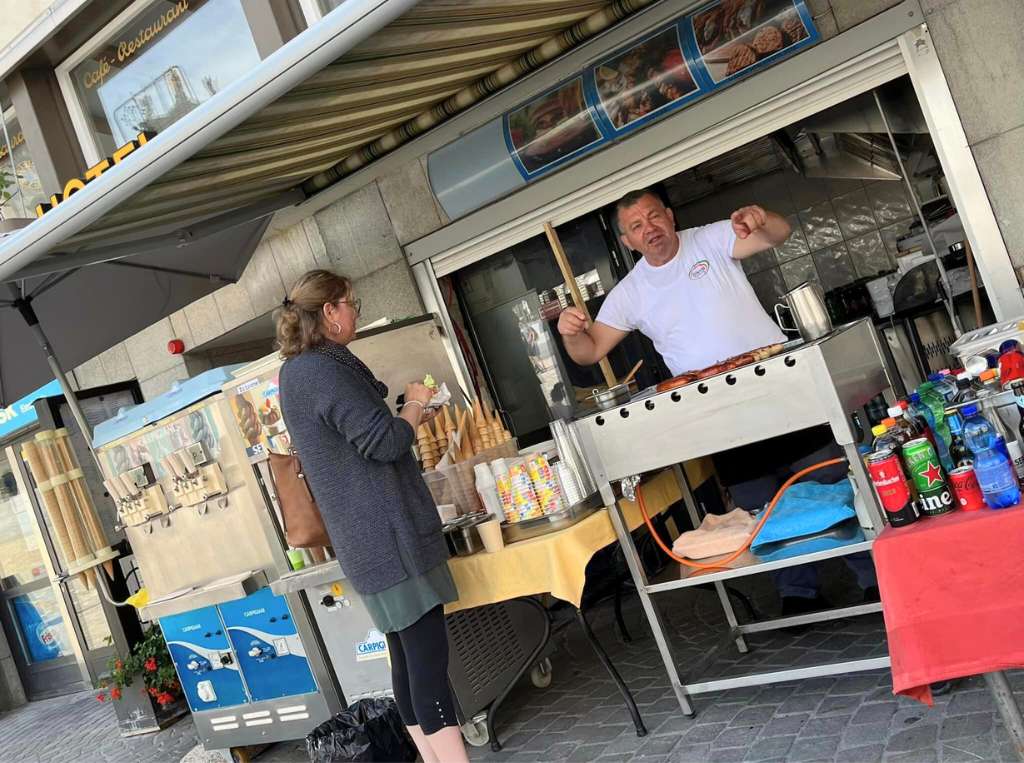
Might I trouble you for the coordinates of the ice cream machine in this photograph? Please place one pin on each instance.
(357, 651)
(250, 660)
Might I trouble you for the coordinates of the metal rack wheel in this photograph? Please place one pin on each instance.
(240, 755)
(540, 674)
(475, 732)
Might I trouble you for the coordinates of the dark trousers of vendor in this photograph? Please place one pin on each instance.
(754, 473)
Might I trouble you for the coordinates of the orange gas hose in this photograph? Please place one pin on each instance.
(721, 563)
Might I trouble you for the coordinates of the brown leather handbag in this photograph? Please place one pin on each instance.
(303, 525)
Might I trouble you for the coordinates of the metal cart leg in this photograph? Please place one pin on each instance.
(1008, 709)
(627, 696)
(650, 610)
(687, 491)
(723, 594)
(730, 615)
(869, 503)
(493, 709)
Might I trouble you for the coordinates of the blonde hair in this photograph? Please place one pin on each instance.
(299, 319)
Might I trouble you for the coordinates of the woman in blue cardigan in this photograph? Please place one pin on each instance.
(381, 518)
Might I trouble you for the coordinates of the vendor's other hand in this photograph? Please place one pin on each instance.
(418, 392)
(572, 322)
(747, 220)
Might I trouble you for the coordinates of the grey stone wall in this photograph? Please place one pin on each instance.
(978, 43)
(360, 236)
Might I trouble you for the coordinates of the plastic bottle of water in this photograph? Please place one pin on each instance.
(932, 406)
(958, 449)
(994, 471)
(945, 385)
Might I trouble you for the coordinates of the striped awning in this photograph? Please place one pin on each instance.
(433, 61)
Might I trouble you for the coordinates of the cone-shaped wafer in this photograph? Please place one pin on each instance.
(34, 459)
(97, 538)
(474, 432)
(66, 505)
(440, 436)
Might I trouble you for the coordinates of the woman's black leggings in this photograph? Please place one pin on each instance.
(419, 673)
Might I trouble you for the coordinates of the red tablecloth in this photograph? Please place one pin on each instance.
(953, 597)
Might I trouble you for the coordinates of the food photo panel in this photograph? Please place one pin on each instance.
(652, 76)
(552, 128)
(734, 35)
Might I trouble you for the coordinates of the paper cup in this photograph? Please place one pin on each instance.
(490, 534)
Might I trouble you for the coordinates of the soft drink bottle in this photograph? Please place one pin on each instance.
(993, 469)
(897, 430)
(958, 450)
(883, 439)
(933, 407)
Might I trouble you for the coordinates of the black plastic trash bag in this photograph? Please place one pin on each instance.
(370, 730)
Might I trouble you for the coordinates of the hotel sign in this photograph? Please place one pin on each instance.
(76, 184)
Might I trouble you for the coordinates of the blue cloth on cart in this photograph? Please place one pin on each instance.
(809, 517)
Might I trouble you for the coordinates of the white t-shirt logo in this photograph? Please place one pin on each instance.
(699, 270)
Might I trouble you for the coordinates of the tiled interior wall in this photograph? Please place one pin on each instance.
(842, 229)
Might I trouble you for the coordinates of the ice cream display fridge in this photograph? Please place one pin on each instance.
(250, 660)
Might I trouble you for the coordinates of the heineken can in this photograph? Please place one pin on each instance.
(925, 469)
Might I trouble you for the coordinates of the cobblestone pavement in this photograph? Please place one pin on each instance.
(580, 717)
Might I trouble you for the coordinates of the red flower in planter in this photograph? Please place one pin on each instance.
(150, 665)
(101, 697)
(164, 698)
(118, 665)
(153, 691)
(115, 693)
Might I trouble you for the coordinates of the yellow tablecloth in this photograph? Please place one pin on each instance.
(556, 563)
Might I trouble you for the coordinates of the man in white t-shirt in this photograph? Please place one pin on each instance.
(690, 296)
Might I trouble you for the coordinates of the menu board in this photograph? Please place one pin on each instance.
(687, 59)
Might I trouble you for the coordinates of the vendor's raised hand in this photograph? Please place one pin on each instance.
(747, 220)
(572, 322)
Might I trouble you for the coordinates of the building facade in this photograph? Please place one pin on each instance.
(382, 221)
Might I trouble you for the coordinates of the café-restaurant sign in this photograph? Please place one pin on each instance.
(76, 184)
(133, 40)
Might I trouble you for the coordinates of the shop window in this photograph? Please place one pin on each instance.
(153, 65)
(20, 189)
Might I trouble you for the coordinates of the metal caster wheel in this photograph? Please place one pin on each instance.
(475, 732)
(540, 674)
(240, 755)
